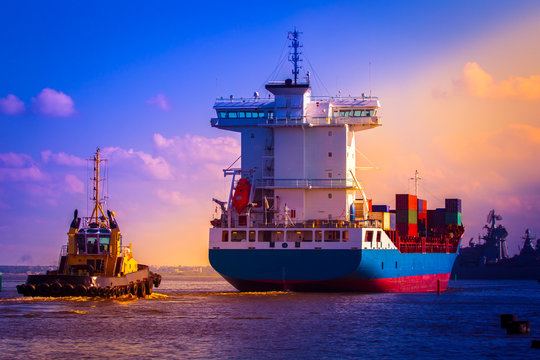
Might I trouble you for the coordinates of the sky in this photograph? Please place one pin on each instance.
(458, 81)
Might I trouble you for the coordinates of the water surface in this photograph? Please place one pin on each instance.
(206, 318)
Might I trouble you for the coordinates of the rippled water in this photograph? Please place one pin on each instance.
(207, 318)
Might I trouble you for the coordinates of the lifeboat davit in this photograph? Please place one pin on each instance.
(241, 195)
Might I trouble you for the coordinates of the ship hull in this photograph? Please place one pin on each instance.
(333, 270)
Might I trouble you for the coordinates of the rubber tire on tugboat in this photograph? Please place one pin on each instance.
(56, 289)
(134, 289)
(81, 290)
(69, 290)
(141, 290)
(21, 289)
(30, 290)
(43, 289)
(92, 291)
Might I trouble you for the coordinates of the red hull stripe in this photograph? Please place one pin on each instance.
(407, 284)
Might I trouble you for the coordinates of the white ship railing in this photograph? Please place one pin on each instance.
(330, 120)
(305, 183)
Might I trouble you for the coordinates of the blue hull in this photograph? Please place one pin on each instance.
(333, 270)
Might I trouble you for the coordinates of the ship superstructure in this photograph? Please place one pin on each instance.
(297, 217)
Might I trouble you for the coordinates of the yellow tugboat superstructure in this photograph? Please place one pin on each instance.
(94, 262)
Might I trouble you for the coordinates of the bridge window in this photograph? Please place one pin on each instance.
(252, 236)
(225, 236)
(248, 115)
(357, 113)
(331, 236)
(379, 236)
(318, 235)
(222, 115)
(261, 114)
(233, 115)
(238, 236)
(345, 236)
(241, 114)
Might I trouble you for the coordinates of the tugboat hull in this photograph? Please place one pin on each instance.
(139, 283)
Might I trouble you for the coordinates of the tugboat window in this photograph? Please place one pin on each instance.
(104, 243)
(233, 115)
(91, 245)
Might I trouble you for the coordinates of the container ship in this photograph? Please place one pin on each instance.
(298, 219)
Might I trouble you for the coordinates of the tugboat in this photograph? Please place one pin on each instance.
(94, 263)
(489, 260)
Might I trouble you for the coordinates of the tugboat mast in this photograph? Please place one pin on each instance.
(294, 54)
(98, 208)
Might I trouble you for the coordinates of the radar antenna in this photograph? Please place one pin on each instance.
(294, 53)
(416, 178)
(98, 215)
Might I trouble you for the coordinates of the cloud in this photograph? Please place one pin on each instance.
(11, 105)
(74, 185)
(481, 84)
(171, 197)
(61, 158)
(15, 160)
(50, 102)
(157, 167)
(160, 101)
(19, 174)
(198, 149)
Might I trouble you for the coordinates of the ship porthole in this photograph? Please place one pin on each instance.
(284, 245)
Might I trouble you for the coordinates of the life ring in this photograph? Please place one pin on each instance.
(284, 245)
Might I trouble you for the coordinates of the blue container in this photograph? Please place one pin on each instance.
(352, 213)
(392, 221)
(380, 208)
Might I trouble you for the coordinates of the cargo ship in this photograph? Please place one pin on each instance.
(488, 258)
(298, 219)
(94, 262)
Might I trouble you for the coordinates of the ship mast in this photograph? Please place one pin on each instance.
(98, 215)
(416, 178)
(294, 54)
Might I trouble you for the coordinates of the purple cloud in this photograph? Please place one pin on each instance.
(61, 158)
(160, 101)
(50, 102)
(11, 105)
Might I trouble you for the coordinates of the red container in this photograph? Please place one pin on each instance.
(370, 204)
(406, 202)
(407, 229)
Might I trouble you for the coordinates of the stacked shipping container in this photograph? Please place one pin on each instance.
(422, 217)
(407, 215)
